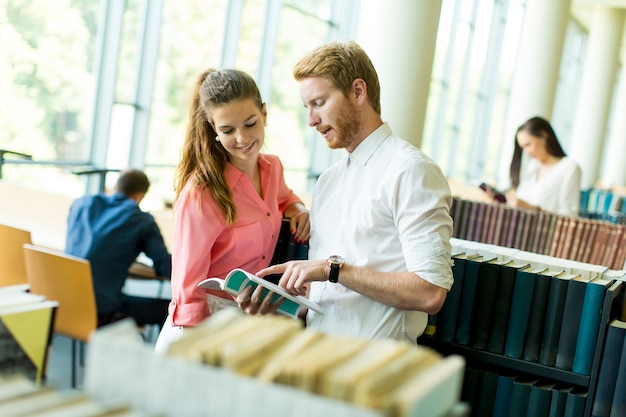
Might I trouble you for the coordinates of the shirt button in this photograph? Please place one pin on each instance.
(263, 257)
(268, 214)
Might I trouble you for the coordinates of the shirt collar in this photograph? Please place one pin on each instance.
(232, 174)
(366, 149)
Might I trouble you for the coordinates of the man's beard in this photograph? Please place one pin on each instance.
(346, 127)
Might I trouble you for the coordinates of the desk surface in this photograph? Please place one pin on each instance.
(139, 270)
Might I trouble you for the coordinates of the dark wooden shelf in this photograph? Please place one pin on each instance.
(519, 365)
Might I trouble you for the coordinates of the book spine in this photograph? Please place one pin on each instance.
(608, 372)
(539, 399)
(486, 394)
(501, 309)
(447, 316)
(588, 330)
(552, 321)
(519, 315)
(618, 404)
(466, 306)
(572, 311)
(483, 305)
(536, 318)
(575, 403)
(558, 399)
(556, 237)
(503, 395)
(467, 208)
(520, 394)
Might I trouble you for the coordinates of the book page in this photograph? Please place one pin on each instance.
(212, 284)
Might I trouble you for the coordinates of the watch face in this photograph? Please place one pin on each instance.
(336, 259)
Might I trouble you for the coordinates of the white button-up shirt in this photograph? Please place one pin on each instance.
(558, 191)
(385, 206)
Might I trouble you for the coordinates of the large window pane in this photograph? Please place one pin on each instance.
(474, 61)
(46, 86)
(288, 134)
(191, 41)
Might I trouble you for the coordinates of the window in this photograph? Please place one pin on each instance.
(474, 64)
(106, 83)
(47, 88)
(472, 72)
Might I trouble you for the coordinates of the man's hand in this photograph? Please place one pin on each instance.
(296, 275)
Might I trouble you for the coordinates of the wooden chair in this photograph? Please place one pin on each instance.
(66, 279)
(12, 266)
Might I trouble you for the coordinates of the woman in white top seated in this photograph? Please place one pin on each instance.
(549, 180)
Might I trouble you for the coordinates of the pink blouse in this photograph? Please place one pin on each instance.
(205, 246)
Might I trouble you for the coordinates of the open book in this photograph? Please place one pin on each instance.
(238, 279)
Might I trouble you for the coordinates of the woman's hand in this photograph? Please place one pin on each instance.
(250, 302)
(300, 227)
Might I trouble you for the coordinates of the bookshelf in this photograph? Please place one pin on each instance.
(122, 370)
(612, 304)
(589, 240)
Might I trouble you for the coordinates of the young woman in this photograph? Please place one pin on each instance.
(230, 197)
(550, 180)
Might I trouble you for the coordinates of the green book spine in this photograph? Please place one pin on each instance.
(520, 394)
(520, 311)
(618, 405)
(471, 384)
(502, 307)
(466, 306)
(558, 399)
(447, 316)
(608, 372)
(575, 403)
(553, 320)
(483, 305)
(536, 317)
(539, 399)
(486, 395)
(572, 310)
(589, 325)
(503, 395)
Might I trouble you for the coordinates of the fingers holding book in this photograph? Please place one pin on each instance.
(258, 300)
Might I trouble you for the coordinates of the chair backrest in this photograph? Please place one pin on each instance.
(12, 266)
(66, 279)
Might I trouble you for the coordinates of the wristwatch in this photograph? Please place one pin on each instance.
(336, 263)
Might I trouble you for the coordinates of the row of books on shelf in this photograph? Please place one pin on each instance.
(525, 306)
(26, 323)
(601, 201)
(239, 365)
(490, 392)
(22, 397)
(581, 239)
(493, 394)
(617, 218)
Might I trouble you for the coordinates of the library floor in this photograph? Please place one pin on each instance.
(59, 367)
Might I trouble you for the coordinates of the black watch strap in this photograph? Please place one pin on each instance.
(334, 273)
(336, 263)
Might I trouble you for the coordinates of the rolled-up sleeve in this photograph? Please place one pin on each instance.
(422, 209)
